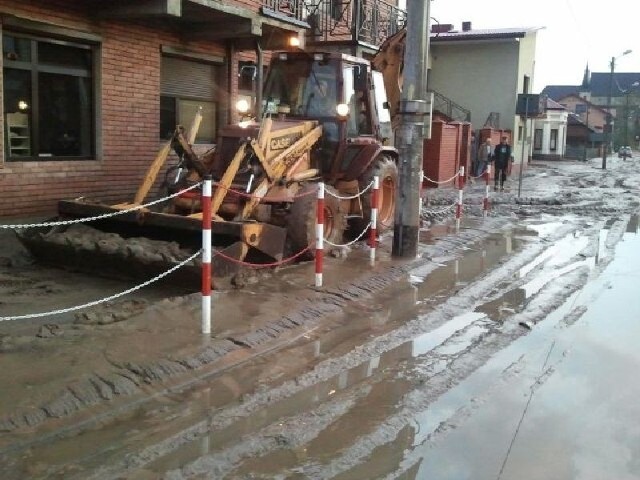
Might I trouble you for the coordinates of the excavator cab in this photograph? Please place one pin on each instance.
(334, 89)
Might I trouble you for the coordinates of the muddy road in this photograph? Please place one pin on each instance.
(505, 351)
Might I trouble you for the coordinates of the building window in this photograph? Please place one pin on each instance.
(553, 141)
(537, 139)
(185, 87)
(519, 134)
(48, 99)
(580, 108)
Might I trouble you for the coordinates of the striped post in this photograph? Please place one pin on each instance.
(206, 256)
(319, 234)
(373, 231)
(459, 204)
(485, 201)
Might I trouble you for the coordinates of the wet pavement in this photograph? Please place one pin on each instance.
(572, 410)
(503, 353)
(548, 405)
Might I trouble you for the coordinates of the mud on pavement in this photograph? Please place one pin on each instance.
(82, 370)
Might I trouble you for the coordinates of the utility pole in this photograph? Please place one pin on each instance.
(410, 131)
(607, 132)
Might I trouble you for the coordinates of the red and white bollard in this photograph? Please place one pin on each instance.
(459, 204)
(485, 201)
(206, 255)
(319, 234)
(373, 230)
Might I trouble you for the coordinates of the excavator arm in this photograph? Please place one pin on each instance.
(390, 62)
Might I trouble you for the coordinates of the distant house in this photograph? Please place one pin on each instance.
(550, 132)
(589, 113)
(594, 91)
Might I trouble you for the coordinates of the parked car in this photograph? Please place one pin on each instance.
(625, 152)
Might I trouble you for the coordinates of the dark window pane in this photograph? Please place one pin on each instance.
(65, 115)
(247, 75)
(16, 48)
(17, 109)
(168, 116)
(64, 56)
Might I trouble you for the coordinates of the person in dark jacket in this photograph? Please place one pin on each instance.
(502, 157)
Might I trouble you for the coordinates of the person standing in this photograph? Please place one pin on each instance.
(502, 157)
(484, 157)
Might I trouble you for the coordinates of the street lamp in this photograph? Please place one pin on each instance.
(607, 132)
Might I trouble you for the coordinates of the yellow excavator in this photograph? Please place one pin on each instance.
(327, 117)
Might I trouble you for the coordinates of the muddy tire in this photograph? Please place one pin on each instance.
(387, 171)
(301, 222)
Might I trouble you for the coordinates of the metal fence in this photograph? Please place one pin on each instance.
(370, 21)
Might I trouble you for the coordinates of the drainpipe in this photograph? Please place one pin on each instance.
(259, 80)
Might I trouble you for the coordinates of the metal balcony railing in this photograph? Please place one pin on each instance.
(365, 21)
(292, 9)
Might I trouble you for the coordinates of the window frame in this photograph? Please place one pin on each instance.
(167, 52)
(35, 69)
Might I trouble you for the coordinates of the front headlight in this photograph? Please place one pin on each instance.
(242, 106)
(342, 109)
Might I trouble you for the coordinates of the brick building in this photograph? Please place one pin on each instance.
(90, 88)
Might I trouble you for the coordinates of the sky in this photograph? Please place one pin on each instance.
(575, 32)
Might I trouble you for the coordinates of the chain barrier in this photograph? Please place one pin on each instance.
(359, 194)
(106, 299)
(102, 216)
(443, 181)
(262, 265)
(479, 176)
(351, 242)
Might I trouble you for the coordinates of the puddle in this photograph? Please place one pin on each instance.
(428, 341)
(565, 404)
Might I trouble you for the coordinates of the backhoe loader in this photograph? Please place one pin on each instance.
(325, 118)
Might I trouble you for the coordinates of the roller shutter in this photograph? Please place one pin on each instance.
(185, 78)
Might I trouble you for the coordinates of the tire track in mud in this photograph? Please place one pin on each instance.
(130, 380)
(329, 369)
(480, 348)
(457, 366)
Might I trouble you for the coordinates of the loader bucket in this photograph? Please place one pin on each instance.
(143, 244)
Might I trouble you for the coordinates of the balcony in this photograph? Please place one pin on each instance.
(365, 22)
(293, 11)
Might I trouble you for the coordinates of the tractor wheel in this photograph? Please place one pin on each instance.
(301, 222)
(385, 168)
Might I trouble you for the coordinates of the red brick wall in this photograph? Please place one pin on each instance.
(130, 77)
(441, 153)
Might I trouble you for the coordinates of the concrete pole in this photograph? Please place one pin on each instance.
(410, 131)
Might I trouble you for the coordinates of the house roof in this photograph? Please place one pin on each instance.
(592, 105)
(622, 81)
(553, 105)
(482, 34)
(557, 92)
(599, 85)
